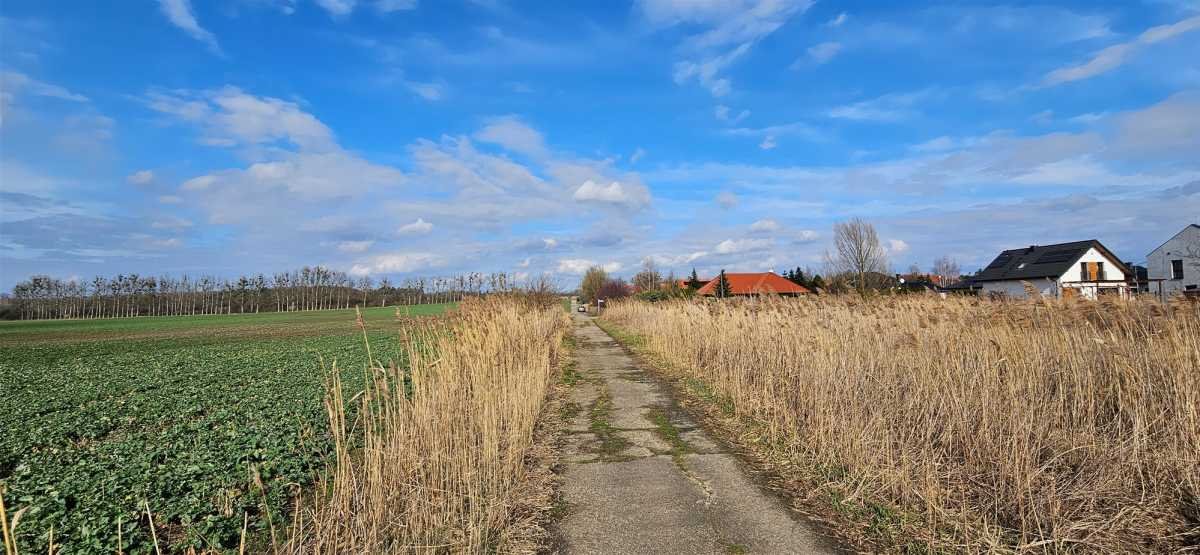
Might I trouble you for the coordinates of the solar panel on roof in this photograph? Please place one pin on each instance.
(1057, 257)
(999, 261)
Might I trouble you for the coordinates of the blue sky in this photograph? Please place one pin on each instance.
(403, 137)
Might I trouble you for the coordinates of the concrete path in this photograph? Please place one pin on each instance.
(641, 477)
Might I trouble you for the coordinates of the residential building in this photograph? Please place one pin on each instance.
(1083, 268)
(1176, 263)
(685, 283)
(752, 284)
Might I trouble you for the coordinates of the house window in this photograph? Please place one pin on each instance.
(1091, 271)
(1176, 269)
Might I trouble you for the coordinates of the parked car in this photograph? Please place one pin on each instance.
(582, 308)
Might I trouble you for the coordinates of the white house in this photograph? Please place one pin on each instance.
(1084, 268)
(1176, 263)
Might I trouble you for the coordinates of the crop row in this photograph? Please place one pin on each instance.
(96, 432)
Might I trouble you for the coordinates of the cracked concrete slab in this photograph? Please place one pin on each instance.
(625, 494)
(699, 442)
(646, 439)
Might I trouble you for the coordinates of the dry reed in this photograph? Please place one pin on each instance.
(978, 426)
(436, 457)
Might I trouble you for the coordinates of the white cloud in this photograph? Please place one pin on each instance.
(180, 14)
(941, 144)
(765, 225)
(837, 21)
(1088, 118)
(231, 117)
(736, 246)
(895, 246)
(613, 193)
(16, 177)
(798, 128)
(1116, 55)
(303, 176)
(428, 91)
(419, 227)
(514, 135)
(638, 154)
(354, 246)
(707, 71)
(141, 178)
(964, 165)
(886, 108)
(746, 20)
(550, 243)
(722, 112)
(395, 263)
(171, 243)
(806, 236)
(669, 260)
(580, 265)
(822, 53)
(723, 23)
(12, 83)
(726, 200)
(456, 164)
(296, 163)
(338, 8)
(863, 112)
(768, 143)
(1171, 127)
(574, 265)
(199, 183)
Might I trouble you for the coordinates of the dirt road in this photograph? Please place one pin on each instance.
(641, 477)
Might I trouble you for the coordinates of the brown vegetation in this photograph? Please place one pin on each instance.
(441, 468)
(959, 424)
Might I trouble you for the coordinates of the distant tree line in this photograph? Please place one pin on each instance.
(809, 280)
(308, 288)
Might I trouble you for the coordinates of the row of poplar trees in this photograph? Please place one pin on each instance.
(308, 288)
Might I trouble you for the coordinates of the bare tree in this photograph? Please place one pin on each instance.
(649, 278)
(859, 254)
(947, 269)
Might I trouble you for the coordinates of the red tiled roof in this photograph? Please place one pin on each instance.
(755, 284)
(684, 282)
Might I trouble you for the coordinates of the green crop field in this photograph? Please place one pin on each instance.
(103, 418)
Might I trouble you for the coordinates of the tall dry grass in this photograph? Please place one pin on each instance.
(970, 425)
(435, 459)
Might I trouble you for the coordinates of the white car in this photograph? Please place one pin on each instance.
(582, 308)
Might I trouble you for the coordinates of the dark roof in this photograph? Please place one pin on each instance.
(1040, 261)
